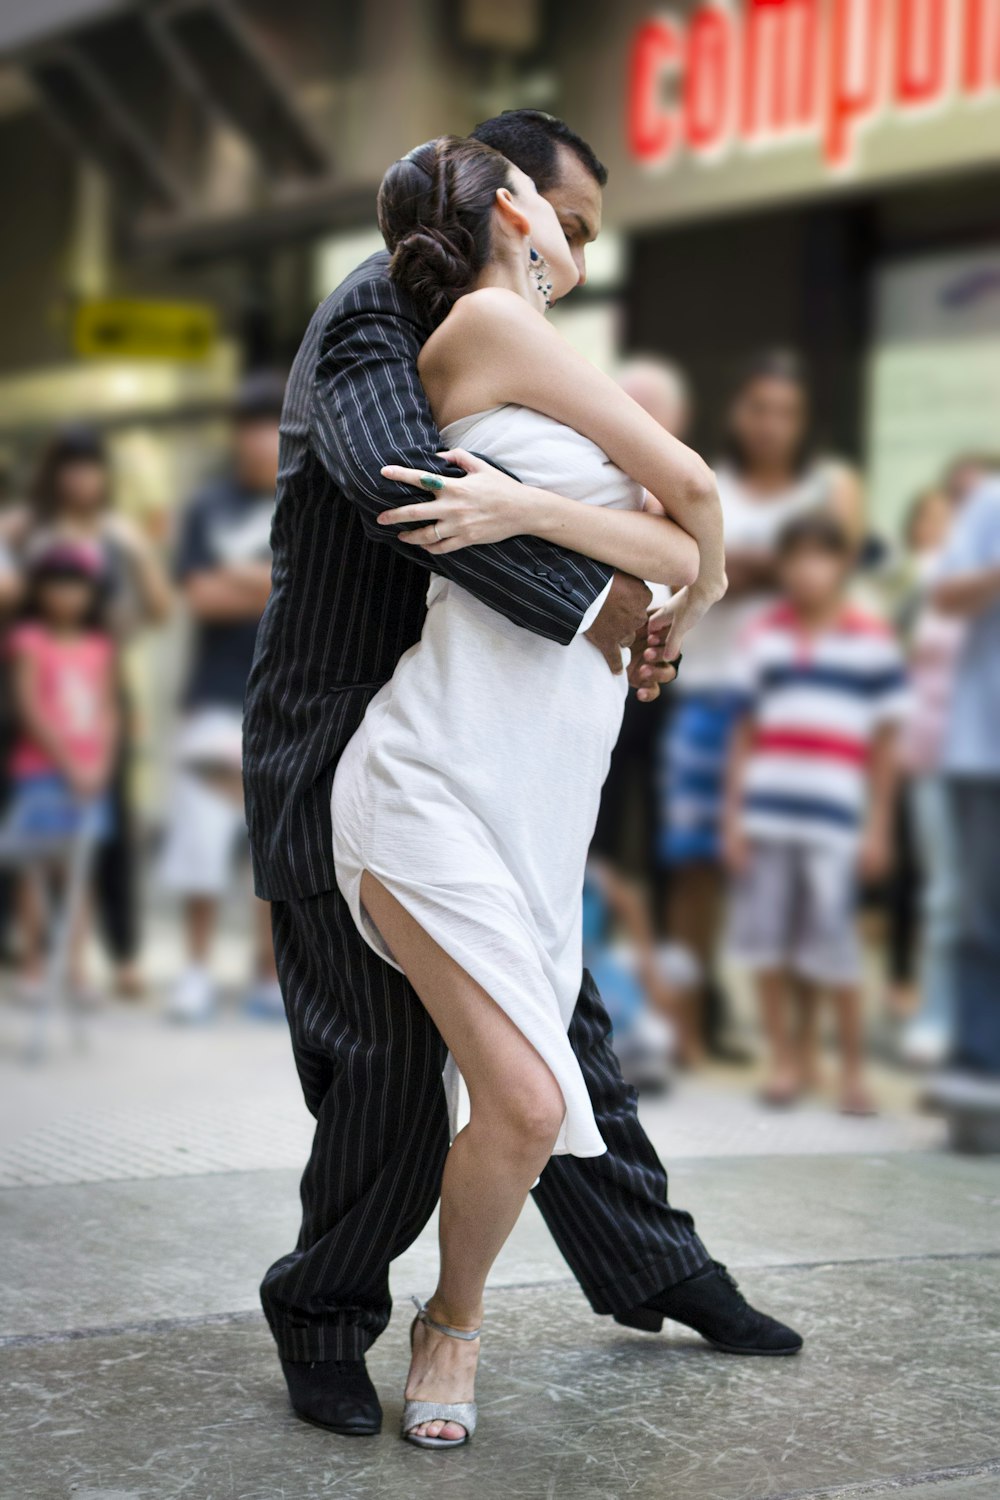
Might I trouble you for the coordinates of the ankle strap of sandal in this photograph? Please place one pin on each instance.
(453, 1333)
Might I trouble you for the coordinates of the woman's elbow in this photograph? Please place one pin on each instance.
(700, 484)
(680, 564)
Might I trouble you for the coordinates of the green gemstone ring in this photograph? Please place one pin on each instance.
(431, 482)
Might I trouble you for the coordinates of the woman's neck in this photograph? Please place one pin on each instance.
(768, 478)
(514, 274)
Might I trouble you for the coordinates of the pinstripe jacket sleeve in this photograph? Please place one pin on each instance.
(369, 409)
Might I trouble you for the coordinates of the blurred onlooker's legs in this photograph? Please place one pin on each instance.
(976, 809)
(117, 876)
(934, 642)
(695, 747)
(928, 1037)
(903, 890)
(205, 827)
(967, 586)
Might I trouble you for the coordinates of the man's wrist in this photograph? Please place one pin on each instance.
(594, 608)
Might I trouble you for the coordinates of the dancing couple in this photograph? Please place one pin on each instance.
(423, 770)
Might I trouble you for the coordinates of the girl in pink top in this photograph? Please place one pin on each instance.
(64, 679)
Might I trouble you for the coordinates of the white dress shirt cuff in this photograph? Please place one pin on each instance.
(594, 608)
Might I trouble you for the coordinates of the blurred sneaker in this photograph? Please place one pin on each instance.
(924, 1046)
(29, 991)
(263, 1001)
(645, 1053)
(194, 998)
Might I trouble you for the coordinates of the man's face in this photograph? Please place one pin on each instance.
(576, 198)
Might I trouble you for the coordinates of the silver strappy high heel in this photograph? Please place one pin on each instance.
(415, 1413)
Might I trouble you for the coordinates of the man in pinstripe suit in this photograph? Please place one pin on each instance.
(347, 601)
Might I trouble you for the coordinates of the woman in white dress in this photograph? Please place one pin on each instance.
(464, 804)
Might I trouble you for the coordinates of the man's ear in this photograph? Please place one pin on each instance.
(514, 216)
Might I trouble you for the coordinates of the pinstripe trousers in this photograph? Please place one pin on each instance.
(369, 1059)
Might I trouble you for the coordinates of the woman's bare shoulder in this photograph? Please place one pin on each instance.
(491, 313)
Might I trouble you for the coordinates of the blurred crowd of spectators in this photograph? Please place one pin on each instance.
(79, 582)
(832, 742)
(833, 738)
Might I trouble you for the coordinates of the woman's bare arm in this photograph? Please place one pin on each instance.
(494, 348)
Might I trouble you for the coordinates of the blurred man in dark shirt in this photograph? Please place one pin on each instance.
(223, 568)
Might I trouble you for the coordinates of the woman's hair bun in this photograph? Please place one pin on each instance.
(436, 266)
(435, 211)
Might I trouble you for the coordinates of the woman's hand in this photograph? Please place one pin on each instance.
(669, 624)
(485, 506)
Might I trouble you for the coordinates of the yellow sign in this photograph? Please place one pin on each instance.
(112, 327)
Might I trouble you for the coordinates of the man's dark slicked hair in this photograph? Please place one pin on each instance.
(531, 139)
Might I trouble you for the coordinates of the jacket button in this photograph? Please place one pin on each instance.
(542, 571)
(565, 585)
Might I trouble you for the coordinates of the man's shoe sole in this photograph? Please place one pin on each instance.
(340, 1431)
(738, 1349)
(648, 1320)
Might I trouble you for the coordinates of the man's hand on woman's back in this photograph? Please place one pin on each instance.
(622, 616)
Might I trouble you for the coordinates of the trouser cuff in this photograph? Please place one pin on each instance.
(621, 1295)
(338, 1338)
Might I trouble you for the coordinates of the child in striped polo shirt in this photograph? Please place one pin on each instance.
(809, 800)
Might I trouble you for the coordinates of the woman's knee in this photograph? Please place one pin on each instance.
(527, 1113)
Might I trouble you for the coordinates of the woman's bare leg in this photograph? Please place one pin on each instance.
(517, 1109)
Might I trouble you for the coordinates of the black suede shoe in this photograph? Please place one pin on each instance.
(334, 1393)
(712, 1304)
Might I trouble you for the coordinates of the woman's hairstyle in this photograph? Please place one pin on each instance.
(769, 364)
(435, 211)
(73, 445)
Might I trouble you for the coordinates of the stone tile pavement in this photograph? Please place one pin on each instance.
(146, 1184)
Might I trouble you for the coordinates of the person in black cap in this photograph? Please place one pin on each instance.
(223, 567)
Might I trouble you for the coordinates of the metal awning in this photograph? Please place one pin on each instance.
(164, 97)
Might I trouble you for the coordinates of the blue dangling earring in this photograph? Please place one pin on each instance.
(540, 271)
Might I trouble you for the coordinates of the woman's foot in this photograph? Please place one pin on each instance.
(130, 982)
(855, 1099)
(442, 1369)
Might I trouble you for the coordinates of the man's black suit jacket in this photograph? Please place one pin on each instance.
(348, 596)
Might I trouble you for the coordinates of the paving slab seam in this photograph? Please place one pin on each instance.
(252, 1315)
(897, 1485)
(877, 1260)
(118, 1330)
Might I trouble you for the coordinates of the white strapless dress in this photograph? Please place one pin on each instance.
(471, 788)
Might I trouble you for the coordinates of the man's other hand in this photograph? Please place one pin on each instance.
(622, 616)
